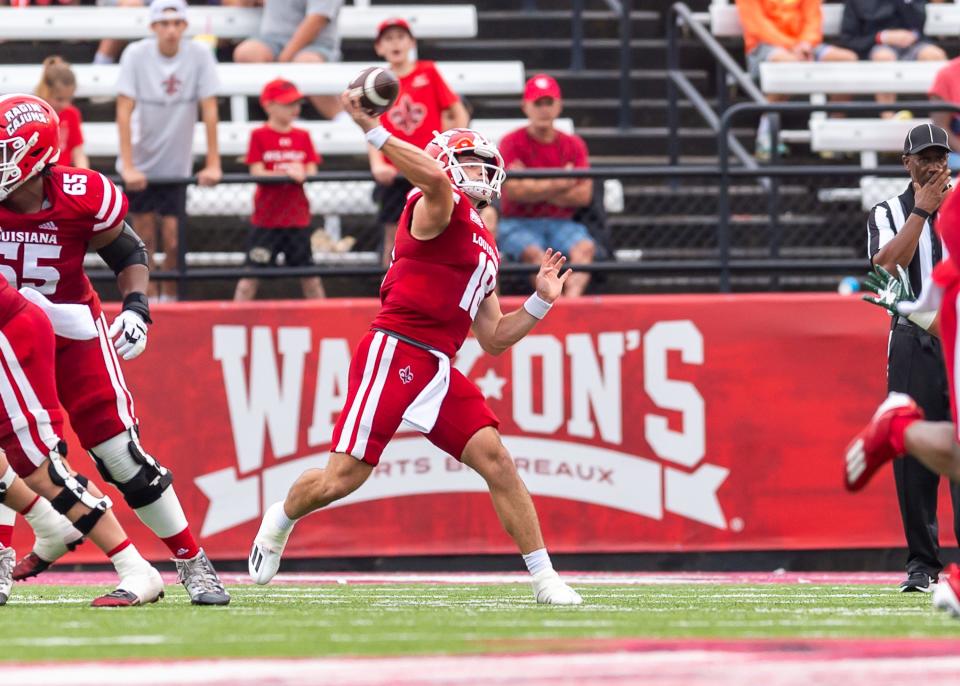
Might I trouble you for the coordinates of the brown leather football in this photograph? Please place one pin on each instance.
(377, 88)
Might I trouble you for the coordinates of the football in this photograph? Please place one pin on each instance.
(377, 88)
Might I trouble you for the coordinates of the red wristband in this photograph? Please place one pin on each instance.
(879, 37)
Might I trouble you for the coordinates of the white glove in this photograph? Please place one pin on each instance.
(129, 332)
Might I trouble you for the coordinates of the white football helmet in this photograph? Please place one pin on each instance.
(447, 147)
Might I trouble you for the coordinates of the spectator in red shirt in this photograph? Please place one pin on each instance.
(424, 104)
(281, 212)
(946, 87)
(537, 214)
(57, 86)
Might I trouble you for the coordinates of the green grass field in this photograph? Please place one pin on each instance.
(54, 622)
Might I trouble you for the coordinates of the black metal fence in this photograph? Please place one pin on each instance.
(683, 228)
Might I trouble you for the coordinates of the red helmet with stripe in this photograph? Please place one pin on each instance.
(450, 146)
(29, 139)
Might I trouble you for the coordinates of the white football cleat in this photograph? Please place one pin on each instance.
(140, 588)
(549, 589)
(264, 561)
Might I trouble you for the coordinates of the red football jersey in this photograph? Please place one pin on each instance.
(11, 302)
(280, 206)
(71, 135)
(433, 288)
(45, 250)
(423, 96)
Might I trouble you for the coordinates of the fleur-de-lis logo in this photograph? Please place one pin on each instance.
(407, 115)
(406, 376)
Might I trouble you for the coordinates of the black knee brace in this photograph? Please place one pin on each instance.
(147, 485)
(6, 481)
(73, 491)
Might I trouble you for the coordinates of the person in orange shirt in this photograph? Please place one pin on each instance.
(784, 31)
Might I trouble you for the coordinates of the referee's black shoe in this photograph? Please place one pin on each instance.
(918, 582)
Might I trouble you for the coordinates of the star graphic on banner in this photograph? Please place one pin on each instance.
(491, 385)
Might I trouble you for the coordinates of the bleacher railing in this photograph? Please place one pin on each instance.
(777, 173)
(681, 17)
(691, 228)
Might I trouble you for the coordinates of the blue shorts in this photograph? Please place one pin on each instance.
(907, 54)
(763, 51)
(516, 234)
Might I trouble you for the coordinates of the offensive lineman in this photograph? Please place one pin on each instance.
(50, 215)
(31, 427)
(440, 284)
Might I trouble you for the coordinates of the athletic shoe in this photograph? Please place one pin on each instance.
(549, 589)
(7, 558)
(871, 449)
(264, 562)
(201, 581)
(946, 596)
(38, 562)
(134, 589)
(918, 582)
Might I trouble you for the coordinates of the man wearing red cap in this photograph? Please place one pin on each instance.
(425, 104)
(281, 212)
(537, 213)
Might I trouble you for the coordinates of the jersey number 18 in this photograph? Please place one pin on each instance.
(481, 282)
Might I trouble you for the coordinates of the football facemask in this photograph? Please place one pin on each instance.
(473, 164)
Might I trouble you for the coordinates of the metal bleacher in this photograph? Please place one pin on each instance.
(131, 23)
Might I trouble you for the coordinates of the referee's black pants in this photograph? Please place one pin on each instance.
(916, 367)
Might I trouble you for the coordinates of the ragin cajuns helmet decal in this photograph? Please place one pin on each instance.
(29, 141)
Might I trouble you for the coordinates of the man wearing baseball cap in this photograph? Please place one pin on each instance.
(900, 234)
(537, 214)
(425, 103)
(162, 80)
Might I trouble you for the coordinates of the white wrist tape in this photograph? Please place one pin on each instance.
(537, 306)
(923, 319)
(377, 137)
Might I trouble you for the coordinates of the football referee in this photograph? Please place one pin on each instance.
(900, 232)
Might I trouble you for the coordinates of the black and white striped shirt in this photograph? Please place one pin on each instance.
(885, 221)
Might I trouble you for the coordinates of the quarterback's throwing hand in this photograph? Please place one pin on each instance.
(351, 105)
(549, 281)
(129, 334)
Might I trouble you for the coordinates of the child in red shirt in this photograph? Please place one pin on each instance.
(57, 86)
(281, 212)
(424, 104)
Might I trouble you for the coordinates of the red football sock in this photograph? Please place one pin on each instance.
(898, 426)
(25, 511)
(6, 536)
(183, 545)
(120, 548)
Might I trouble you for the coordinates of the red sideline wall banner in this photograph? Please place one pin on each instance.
(675, 423)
